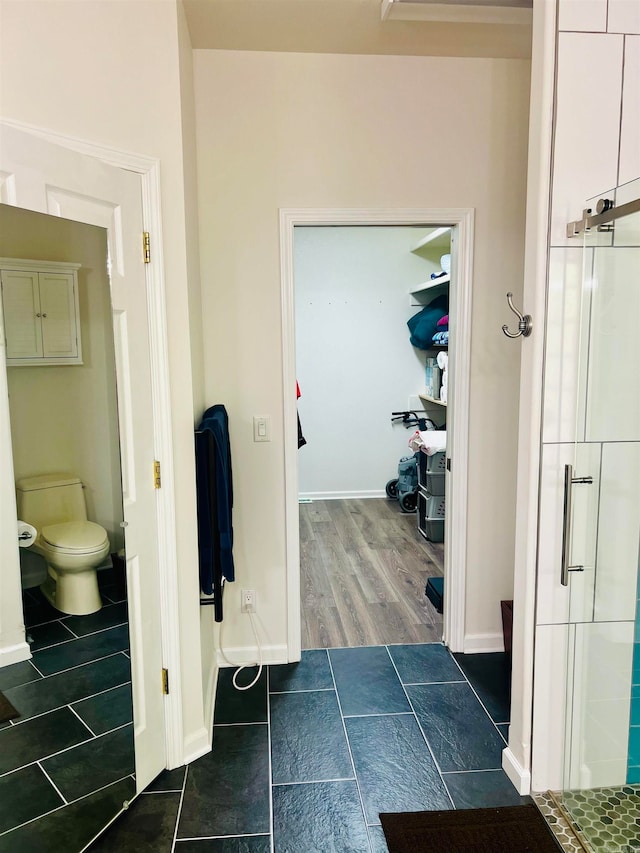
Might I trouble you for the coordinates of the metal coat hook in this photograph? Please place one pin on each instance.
(525, 323)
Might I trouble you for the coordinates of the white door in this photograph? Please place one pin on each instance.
(50, 179)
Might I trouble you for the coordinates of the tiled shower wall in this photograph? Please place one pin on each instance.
(596, 148)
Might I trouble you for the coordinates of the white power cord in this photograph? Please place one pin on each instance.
(240, 666)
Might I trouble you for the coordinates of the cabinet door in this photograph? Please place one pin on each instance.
(21, 307)
(57, 306)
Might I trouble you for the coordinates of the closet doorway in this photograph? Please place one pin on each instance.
(349, 289)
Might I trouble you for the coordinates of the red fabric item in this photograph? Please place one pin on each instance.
(443, 321)
(297, 390)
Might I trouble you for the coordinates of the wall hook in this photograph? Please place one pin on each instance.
(525, 323)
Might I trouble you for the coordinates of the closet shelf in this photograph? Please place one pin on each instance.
(427, 399)
(428, 288)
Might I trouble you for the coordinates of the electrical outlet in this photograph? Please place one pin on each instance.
(248, 601)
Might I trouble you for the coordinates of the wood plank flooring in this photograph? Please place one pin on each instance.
(363, 569)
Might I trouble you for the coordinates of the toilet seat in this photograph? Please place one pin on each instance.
(75, 537)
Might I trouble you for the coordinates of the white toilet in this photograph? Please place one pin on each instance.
(72, 546)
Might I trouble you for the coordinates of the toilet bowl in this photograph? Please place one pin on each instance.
(72, 546)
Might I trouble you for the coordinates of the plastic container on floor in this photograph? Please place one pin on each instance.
(431, 510)
(431, 471)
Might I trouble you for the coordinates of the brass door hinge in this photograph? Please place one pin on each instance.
(165, 682)
(157, 481)
(146, 247)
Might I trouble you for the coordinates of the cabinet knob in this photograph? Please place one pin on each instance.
(44, 315)
(38, 315)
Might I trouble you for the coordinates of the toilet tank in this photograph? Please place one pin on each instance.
(50, 499)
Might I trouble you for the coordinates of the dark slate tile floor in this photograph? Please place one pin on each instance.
(306, 759)
(67, 762)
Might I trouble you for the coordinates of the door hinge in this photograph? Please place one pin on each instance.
(165, 682)
(146, 247)
(157, 481)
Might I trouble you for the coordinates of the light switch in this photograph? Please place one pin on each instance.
(261, 428)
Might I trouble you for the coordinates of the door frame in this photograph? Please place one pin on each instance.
(458, 439)
(148, 170)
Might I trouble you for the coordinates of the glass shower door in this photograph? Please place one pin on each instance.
(601, 785)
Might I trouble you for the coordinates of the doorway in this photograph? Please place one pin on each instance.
(87, 187)
(461, 221)
(366, 556)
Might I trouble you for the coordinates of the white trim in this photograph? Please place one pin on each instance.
(462, 222)
(15, 654)
(458, 13)
(210, 699)
(196, 745)
(541, 117)
(342, 496)
(243, 655)
(149, 171)
(478, 643)
(43, 266)
(520, 777)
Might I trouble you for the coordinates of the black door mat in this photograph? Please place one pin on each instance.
(511, 829)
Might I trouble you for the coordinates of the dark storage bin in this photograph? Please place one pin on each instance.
(431, 509)
(434, 591)
(431, 471)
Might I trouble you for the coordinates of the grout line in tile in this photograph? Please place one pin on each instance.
(216, 837)
(42, 675)
(66, 704)
(71, 631)
(58, 791)
(475, 693)
(436, 764)
(76, 638)
(481, 770)
(422, 683)
(346, 737)
(66, 749)
(84, 663)
(60, 808)
(312, 782)
(248, 723)
(384, 714)
(179, 812)
(306, 690)
(85, 724)
(271, 834)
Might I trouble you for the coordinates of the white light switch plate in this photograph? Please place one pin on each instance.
(261, 428)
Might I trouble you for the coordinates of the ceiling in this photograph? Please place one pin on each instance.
(357, 27)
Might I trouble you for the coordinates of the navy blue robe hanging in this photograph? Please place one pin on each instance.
(214, 487)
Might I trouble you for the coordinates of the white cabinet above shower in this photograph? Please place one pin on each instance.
(40, 312)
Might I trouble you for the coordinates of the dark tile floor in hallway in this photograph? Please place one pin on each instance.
(307, 759)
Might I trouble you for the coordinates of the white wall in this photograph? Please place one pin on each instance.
(589, 94)
(354, 360)
(295, 131)
(111, 75)
(65, 418)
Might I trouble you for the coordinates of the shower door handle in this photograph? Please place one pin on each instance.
(569, 480)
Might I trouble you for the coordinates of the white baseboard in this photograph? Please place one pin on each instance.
(210, 697)
(520, 777)
(15, 654)
(341, 496)
(242, 655)
(478, 643)
(197, 744)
